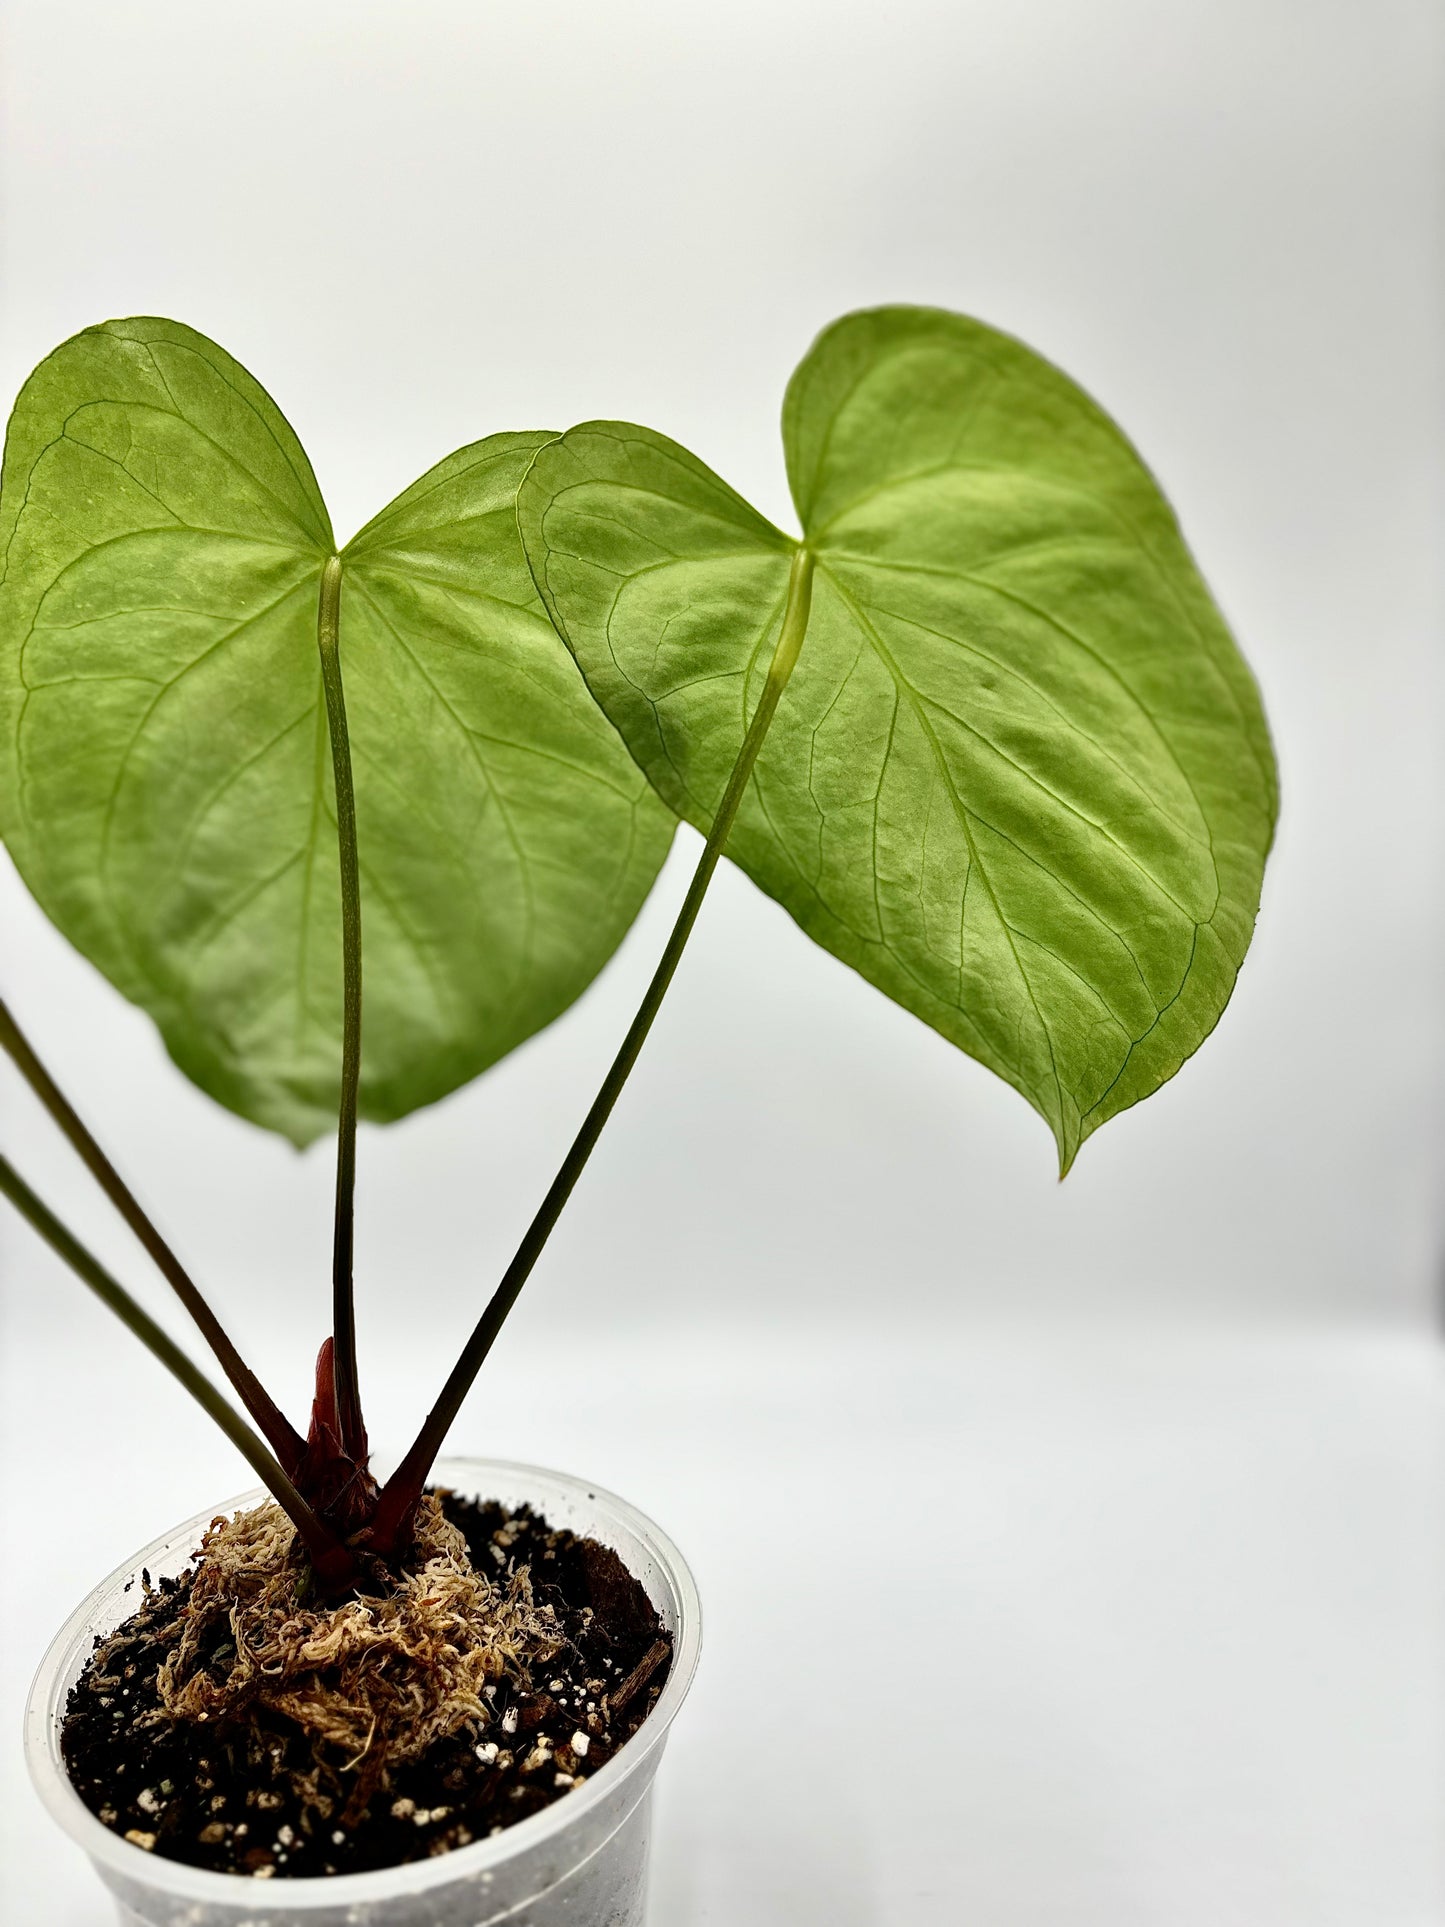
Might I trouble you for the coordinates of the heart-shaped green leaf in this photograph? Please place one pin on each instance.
(165, 774)
(1020, 777)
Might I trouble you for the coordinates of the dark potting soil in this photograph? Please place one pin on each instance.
(257, 1800)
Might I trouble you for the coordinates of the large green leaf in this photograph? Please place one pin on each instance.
(165, 776)
(1020, 778)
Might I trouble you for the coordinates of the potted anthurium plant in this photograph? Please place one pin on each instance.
(980, 729)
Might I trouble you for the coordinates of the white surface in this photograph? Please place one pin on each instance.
(1192, 1584)
(1162, 1648)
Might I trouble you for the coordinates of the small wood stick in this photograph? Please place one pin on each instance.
(641, 1673)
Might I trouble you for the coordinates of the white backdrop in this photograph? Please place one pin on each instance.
(416, 224)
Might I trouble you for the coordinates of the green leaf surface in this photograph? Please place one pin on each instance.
(1020, 778)
(165, 774)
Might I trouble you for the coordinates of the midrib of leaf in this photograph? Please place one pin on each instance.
(1034, 782)
(866, 564)
(962, 815)
(879, 941)
(1164, 577)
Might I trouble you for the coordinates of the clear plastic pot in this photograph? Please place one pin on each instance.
(582, 1861)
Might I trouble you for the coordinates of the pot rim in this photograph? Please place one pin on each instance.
(132, 1863)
